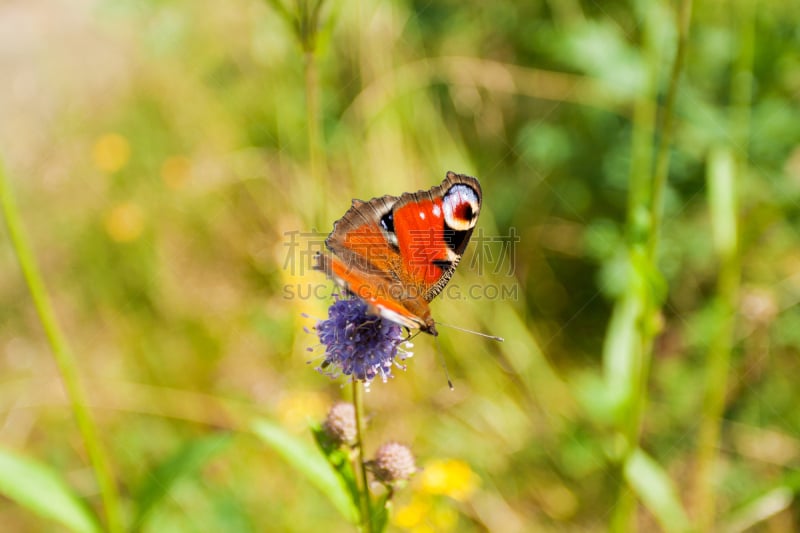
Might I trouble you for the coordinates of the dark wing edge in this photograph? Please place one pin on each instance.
(450, 179)
(353, 218)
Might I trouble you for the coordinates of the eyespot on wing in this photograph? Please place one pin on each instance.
(461, 205)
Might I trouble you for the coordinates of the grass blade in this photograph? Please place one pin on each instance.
(311, 464)
(620, 353)
(63, 356)
(35, 486)
(762, 508)
(183, 463)
(338, 459)
(722, 200)
(655, 489)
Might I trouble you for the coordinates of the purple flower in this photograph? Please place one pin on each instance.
(359, 344)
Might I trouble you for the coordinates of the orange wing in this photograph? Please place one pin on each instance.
(397, 254)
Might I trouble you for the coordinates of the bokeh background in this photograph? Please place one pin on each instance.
(165, 154)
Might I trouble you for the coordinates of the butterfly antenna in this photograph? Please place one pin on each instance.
(478, 333)
(410, 335)
(444, 363)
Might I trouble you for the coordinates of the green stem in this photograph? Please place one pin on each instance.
(645, 217)
(312, 107)
(624, 334)
(660, 175)
(668, 130)
(719, 353)
(309, 17)
(366, 501)
(312, 124)
(305, 22)
(62, 354)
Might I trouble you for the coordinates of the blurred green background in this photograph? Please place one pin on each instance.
(162, 152)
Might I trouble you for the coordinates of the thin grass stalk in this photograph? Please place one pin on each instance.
(628, 307)
(729, 280)
(312, 111)
(63, 356)
(308, 28)
(644, 120)
(645, 216)
(661, 172)
(305, 22)
(717, 369)
(647, 326)
(366, 501)
(660, 178)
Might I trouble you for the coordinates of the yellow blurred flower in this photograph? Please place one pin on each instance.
(175, 171)
(125, 222)
(111, 152)
(412, 515)
(444, 518)
(296, 408)
(451, 477)
(424, 514)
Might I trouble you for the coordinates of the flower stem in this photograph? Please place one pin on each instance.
(366, 502)
(62, 355)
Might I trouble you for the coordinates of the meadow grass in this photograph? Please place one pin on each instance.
(172, 167)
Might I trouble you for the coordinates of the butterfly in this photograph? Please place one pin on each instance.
(398, 253)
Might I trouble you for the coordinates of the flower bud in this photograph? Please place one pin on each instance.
(393, 462)
(340, 424)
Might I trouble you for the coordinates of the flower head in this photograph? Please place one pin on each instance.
(359, 344)
(393, 462)
(340, 424)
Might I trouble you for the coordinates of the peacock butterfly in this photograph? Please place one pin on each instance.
(397, 254)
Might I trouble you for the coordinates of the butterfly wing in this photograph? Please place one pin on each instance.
(433, 229)
(365, 260)
(397, 254)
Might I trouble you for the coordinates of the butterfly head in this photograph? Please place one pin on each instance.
(429, 327)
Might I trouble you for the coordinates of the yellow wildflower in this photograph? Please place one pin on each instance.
(125, 222)
(412, 515)
(422, 515)
(111, 152)
(451, 477)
